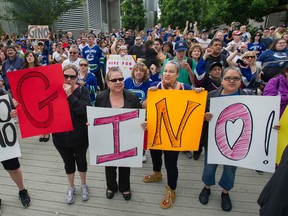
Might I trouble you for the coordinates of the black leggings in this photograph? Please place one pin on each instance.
(124, 178)
(11, 164)
(170, 160)
(72, 155)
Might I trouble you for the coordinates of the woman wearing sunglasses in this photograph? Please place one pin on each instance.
(251, 79)
(117, 97)
(256, 44)
(87, 79)
(230, 86)
(72, 145)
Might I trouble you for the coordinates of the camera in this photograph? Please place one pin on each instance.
(241, 62)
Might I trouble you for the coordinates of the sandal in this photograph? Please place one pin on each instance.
(155, 177)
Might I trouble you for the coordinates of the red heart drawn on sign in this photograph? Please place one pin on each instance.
(240, 145)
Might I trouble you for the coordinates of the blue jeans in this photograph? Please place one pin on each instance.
(227, 178)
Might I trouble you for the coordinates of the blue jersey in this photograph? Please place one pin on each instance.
(140, 90)
(273, 58)
(94, 56)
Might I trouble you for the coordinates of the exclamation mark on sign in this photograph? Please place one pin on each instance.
(268, 131)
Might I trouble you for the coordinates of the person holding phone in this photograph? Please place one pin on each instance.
(251, 80)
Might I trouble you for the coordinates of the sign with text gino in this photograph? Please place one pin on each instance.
(9, 146)
(38, 32)
(125, 63)
(43, 106)
(175, 119)
(241, 131)
(115, 136)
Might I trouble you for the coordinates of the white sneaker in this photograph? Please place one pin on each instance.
(144, 158)
(70, 197)
(85, 192)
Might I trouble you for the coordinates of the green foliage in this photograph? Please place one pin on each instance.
(133, 14)
(210, 13)
(176, 12)
(39, 12)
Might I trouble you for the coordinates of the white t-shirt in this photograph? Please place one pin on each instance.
(76, 63)
(58, 57)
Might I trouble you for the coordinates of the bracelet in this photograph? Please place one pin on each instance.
(238, 50)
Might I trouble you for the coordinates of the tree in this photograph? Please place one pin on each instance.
(133, 14)
(210, 13)
(39, 12)
(176, 12)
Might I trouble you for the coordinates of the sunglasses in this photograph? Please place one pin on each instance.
(228, 78)
(83, 65)
(73, 53)
(249, 56)
(117, 79)
(72, 77)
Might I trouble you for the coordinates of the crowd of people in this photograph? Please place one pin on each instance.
(225, 62)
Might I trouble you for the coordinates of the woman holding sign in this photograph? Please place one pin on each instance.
(117, 97)
(169, 81)
(231, 81)
(13, 166)
(72, 145)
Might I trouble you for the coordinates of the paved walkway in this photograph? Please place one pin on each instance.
(45, 179)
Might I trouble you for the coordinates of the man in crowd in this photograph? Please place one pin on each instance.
(138, 48)
(73, 57)
(94, 55)
(13, 62)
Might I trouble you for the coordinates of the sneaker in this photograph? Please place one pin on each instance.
(259, 172)
(196, 156)
(70, 197)
(226, 202)
(188, 154)
(24, 197)
(144, 158)
(204, 196)
(85, 192)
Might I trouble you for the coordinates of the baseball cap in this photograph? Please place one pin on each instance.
(180, 46)
(237, 32)
(214, 64)
(40, 43)
(59, 43)
(272, 27)
(204, 31)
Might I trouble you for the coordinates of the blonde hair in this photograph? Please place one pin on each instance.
(250, 53)
(142, 67)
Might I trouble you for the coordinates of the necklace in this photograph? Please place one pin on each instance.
(137, 84)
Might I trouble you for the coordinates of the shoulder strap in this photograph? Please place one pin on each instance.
(190, 62)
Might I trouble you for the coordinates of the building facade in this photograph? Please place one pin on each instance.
(96, 15)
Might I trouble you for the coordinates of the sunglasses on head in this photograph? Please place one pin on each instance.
(117, 79)
(72, 77)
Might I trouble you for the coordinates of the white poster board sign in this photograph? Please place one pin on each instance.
(9, 145)
(125, 63)
(38, 32)
(241, 131)
(115, 136)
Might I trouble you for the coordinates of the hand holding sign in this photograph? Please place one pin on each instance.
(43, 107)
